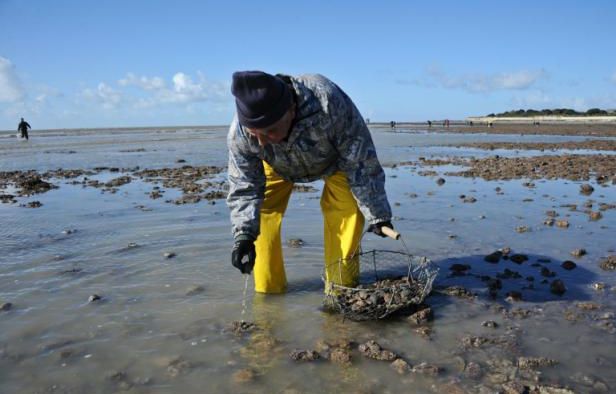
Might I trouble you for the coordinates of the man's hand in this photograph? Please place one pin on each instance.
(243, 256)
(376, 228)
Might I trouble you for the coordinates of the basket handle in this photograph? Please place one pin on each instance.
(390, 232)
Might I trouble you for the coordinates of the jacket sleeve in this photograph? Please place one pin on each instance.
(358, 158)
(246, 184)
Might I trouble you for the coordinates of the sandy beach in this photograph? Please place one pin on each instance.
(115, 272)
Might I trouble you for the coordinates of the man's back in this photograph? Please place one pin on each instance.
(23, 125)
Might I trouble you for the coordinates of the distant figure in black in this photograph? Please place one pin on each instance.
(23, 128)
(429, 123)
(392, 124)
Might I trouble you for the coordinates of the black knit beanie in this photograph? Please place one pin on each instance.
(261, 99)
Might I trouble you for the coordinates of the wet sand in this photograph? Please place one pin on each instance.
(608, 145)
(119, 279)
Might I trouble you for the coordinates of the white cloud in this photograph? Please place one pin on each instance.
(136, 93)
(11, 90)
(104, 94)
(183, 89)
(479, 82)
(143, 82)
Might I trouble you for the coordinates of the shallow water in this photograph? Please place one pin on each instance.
(54, 339)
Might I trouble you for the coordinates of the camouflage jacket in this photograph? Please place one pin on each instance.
(327, 135)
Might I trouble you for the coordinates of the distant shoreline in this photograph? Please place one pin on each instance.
(586, 126)
(552, 119)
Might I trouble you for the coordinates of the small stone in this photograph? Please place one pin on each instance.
(548, 222)
(240, 327)
(295, 243)
(426, 369)
(578, 252)
(595, 215)
(551, 214)
(94, 297)
(588, 306)
(609, 263)
(6, 306)
(558, 287)
(459, 268)
(178, 366)
(424, 332)
(169, 255)
(493, 257)
(535, 362)
(599, 286)
(193, 290)
(401, 366)
(547, 273)
(514, 296)
(469, 199)
(473, 370)
(244, 375)
(372, 349)
(340, 356)
(514, 388)
(522, 229)
(440, 181)
(458, 291)
(586, 189)
(489, 324)
(562, 223)
(116, 376)
(304, 355)
(420, 317)
(606, 316)
(568, 265)
(518, 258)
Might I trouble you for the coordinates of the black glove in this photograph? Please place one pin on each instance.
(243, 256)
(376, 228)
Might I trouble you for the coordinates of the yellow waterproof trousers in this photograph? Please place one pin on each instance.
(343, 226)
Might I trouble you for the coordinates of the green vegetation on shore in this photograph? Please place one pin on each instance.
(556, 111)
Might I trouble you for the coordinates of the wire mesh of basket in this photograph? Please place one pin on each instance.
(389, 281)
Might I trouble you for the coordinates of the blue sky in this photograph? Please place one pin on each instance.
(71, 64)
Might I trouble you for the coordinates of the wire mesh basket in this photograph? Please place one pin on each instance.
(389, 281)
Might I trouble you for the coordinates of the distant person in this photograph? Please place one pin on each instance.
(446, 122)
(429, 123)
(23, 128)
(471, 123)
(392, 124)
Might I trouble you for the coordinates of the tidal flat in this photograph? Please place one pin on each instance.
(115, 270)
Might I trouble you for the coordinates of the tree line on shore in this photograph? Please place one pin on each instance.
(555, 111)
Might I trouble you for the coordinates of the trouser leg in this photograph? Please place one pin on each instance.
(270, 276)
(343, 227)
